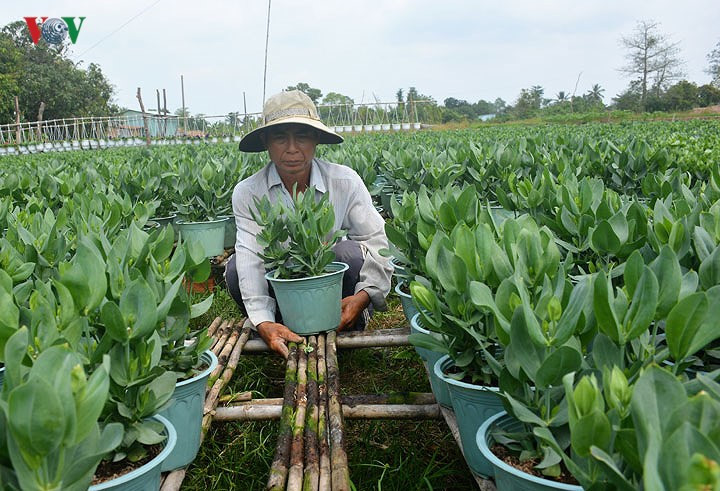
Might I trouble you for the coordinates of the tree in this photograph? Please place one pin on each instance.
(336, 98)
(681, 96)
(595, 94)
(653, 58)
(561, 97)
(708, 95)
(313, 93)
(713, 68)
(43, 73)
(182, 112)
(529, 102)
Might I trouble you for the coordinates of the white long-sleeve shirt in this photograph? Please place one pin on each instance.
(354, 213)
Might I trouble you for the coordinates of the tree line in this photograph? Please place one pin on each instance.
(44, 73)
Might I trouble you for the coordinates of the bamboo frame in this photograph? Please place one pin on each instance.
(381, 338)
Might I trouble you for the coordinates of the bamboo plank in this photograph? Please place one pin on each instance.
(380, 338)
(338, 457)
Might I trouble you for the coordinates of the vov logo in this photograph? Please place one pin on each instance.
(54, 30)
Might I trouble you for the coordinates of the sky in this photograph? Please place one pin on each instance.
(367, 50)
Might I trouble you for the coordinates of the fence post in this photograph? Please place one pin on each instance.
(145, 119)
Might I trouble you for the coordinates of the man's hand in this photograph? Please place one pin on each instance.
(276, 336)
(352, 307)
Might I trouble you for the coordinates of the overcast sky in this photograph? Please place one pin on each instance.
(469, 50)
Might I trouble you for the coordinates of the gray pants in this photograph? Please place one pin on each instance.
(346, 251)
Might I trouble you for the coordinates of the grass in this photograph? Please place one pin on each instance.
(383, 455)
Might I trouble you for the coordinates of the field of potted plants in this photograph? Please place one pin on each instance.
(565, 283)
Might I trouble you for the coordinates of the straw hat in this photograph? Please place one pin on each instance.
(292, 106)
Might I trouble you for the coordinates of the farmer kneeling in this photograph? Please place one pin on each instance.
(290, 132)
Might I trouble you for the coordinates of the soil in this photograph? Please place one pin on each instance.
(528, 466)
(405, 288)
(110, 470)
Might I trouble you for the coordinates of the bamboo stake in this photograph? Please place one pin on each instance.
(219, 332)
(312, 451)
(295, 473)
(258, 412)
(409, 398)
(238, 397)
(338, 457)
(226, 330)
(225, 353)
(173, 480)
(279, 467)
(380, 338)
(213, 326)
(325, 479)
(220, 383)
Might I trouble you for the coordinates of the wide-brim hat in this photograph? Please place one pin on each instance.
(292, 106)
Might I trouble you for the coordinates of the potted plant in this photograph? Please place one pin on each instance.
(49, 408)
(203, 198)
(297, 251)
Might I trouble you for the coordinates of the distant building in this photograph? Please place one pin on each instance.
(133, 126)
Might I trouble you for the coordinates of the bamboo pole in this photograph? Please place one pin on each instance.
(411, 398)
(214, 325)
(279, 467)
(17, 121)
(312, 450)
(325, 478)
(220, 383)
(226, 351)
(338, 457)
(145, 118)
(295, 472)
(173, 480)
(260, 412)
(238, 397)
(380, 338)
(224, 334)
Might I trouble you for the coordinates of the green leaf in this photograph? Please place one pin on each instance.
(591, 430)
(561, 361)
(709, 271)
(138, 308)
(114, 323)
(684, 324)
(604, 309)
(642, 307)
(38, 423)
(667, 271)
(198, 309)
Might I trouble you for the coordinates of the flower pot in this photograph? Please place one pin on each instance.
(507, 476)
(472, 404)
(406, 126)
(230, 231)
(357, 128)
(385, 126)
(347, 128)
(2, 375)
(211, 235)
(164, 220)
(151, 225)
(429, 357)
(338, 129)
(146, 477)
(416, 126)
(408, 306)
(399, 269)
(310, 305)
(186, 413)
(376, 127)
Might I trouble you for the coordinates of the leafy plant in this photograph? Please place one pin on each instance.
(297, 241)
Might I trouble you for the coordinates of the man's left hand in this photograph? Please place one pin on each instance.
(352, 307)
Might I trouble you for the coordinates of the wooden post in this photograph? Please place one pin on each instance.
(145, 119)
(17, 121)
(165, 112)
(159, 121)
(39, 121)
(244, 115)
(184, 111)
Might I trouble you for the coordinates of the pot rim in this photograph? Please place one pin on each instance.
(481, 442)
(437, 368)
(213, 363)
(342, 268)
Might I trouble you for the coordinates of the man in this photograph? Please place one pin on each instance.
(290, 132)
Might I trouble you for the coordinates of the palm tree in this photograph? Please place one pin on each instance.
(561, 97)
(595, 94)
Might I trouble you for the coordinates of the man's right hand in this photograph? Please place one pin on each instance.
(276, 336)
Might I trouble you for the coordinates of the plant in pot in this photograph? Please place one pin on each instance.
(203, 198)
(49, 409)
(297, 251)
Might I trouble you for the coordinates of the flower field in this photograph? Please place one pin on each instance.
(575, 269)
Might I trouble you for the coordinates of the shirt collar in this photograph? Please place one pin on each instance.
(316, 178)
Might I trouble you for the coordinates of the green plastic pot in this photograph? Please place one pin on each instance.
(398, 267)
(146, 477)
(230, 231)
(508, 477)
(406, 300)
(310, 305)
(165, 220)
(429, 357)
(211, 235)
(2, 375)
(472, 404)
(186, 413)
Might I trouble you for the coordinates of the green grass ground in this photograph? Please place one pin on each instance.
(383, 455)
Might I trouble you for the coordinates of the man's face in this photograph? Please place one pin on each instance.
(291, 147)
